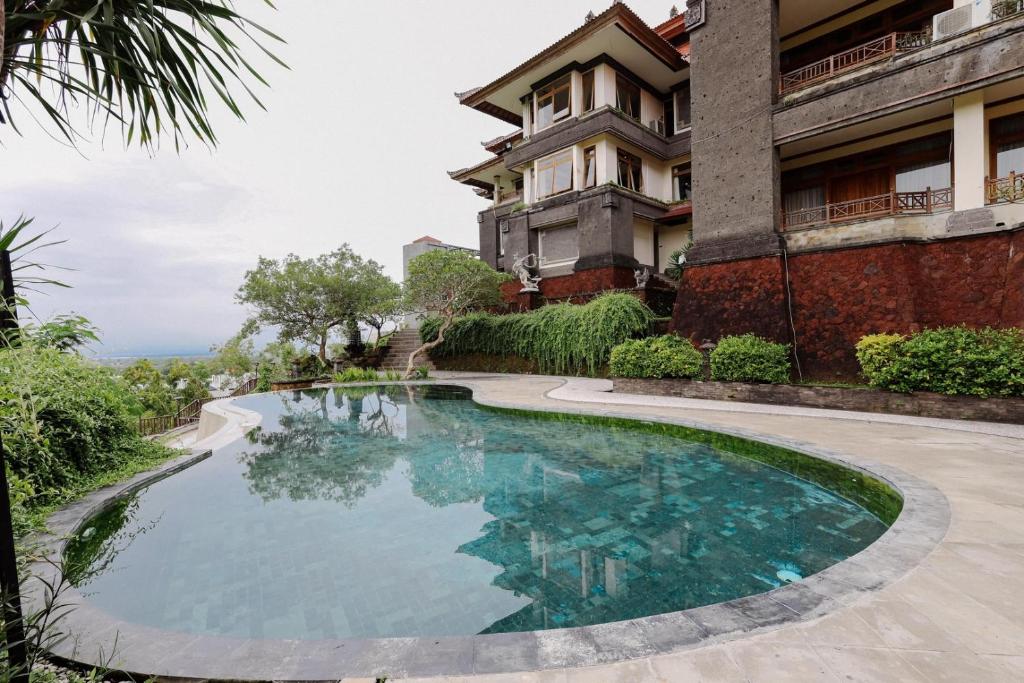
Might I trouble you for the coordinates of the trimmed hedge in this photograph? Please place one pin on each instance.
(957, 361)
(748, 358)
(665, 356)
(560, 338)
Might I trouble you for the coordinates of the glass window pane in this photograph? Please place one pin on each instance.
(563, 176)
(1010, 158)
(627, 97)
(588, 91)
(919, 177)
(545, 112)
(559, 244)
(544, 178)
(562, 103)
(682, 107)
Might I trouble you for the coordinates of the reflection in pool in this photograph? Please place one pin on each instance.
(411, 511)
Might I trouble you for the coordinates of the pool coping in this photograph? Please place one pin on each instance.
(97, 638)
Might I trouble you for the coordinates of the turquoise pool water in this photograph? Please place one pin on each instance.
(401, 511)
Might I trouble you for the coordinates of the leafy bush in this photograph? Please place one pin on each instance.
(66, 424)
(950, 360)
(561, 338)
(875, 352)
(365, 375)
(748, 358)
(666, 356)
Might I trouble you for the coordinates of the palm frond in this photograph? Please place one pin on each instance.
(150, 67)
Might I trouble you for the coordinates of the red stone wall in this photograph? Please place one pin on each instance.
(584, 284)
(732, 298)
(840, 295)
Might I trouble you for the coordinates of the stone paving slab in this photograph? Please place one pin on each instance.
(920, 604)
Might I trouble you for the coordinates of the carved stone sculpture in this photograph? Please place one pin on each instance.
(521, 269)
(642, 277)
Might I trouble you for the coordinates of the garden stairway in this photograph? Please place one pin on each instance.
(400, 345)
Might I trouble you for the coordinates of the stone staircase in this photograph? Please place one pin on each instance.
(400, 345)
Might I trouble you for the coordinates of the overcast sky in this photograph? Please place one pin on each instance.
(354, 147)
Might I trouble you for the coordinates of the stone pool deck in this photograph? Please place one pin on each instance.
(957, 616)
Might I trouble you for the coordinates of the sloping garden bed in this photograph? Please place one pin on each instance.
(921, 404)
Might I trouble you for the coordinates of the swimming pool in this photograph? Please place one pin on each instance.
(360, 512)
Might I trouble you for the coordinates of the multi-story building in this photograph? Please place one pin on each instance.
(856, 166)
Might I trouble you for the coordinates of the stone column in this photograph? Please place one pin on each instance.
(734, 81)
(970, 149)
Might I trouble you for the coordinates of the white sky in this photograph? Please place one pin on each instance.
(354, 148)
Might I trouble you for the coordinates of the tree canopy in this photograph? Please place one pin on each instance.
(151, 67)
(449, 283)
(307, 299)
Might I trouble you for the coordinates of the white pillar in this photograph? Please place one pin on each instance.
(576, 94)
(969, 151)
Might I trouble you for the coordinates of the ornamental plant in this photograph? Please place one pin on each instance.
(656, 357)
(952, 360)
(749, 358)
(560, 338)
(876, 353)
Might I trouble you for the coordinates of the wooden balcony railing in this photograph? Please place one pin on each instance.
(509, 198)
(1001, 9)
(1008, 189)
(854, 58)
(890, 204)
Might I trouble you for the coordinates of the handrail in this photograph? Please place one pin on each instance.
(1001, 9)
(854, 58)
(190, 413)
(1008, 189)
(888, 204)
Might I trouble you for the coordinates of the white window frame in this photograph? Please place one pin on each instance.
(572, 173)
(542, 262)
(555, 118)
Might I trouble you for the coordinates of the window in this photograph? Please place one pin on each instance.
(920, 177)
(627, 97)
(682, 108)
(631, 174)
(502, 237)
(588, 91)
(804, 206)
(590, 167)
(681, 188)
(558, 246)
(554, 174)
(1007, 135)
(553, 102)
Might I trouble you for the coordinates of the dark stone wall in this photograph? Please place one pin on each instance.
(733, 76)
(838, 296)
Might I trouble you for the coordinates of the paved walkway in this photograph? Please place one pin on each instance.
(958, 617)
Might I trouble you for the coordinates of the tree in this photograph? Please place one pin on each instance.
(307, 299)
(234, 357)
(152, 67)
(449, 284)
(383, 301)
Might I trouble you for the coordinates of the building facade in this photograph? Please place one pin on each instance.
(842, 167)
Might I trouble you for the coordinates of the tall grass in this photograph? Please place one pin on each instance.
(561, 338)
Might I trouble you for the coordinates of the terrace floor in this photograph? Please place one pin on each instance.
(957, 616)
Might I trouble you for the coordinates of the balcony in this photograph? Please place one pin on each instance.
(1002, 9)
(502, 198)
(889, 204)
(855, 58)
(1005, 190)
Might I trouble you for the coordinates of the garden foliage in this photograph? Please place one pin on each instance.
(665, 356)
(561, 338)
(65, 423)
(749, 358)
(951, 360)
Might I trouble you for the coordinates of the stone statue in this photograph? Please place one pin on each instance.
(642, 277)
(521, 269)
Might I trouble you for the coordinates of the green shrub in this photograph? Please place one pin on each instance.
(356, 375)
(748, 358)
(954, 361)
(560, 338)
(67, 424)
(876, 352)
(666, 356)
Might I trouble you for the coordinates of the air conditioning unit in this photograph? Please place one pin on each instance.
(658, 126)
(960, 19)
